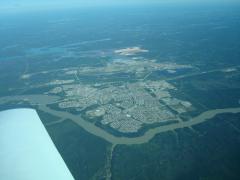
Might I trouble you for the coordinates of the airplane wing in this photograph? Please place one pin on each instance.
(26, 150)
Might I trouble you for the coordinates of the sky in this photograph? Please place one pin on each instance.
(24, 5)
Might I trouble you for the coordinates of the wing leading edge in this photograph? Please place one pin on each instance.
(26, 150)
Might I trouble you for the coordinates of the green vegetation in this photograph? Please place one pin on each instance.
(46, 117)
(103, 64)
(209, 151)
(214, 90)
(84, 154)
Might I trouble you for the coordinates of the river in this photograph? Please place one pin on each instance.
(43, 100)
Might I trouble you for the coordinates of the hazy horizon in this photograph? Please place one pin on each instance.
(28, 5)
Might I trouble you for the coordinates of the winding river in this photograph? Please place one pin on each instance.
(43, 100)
